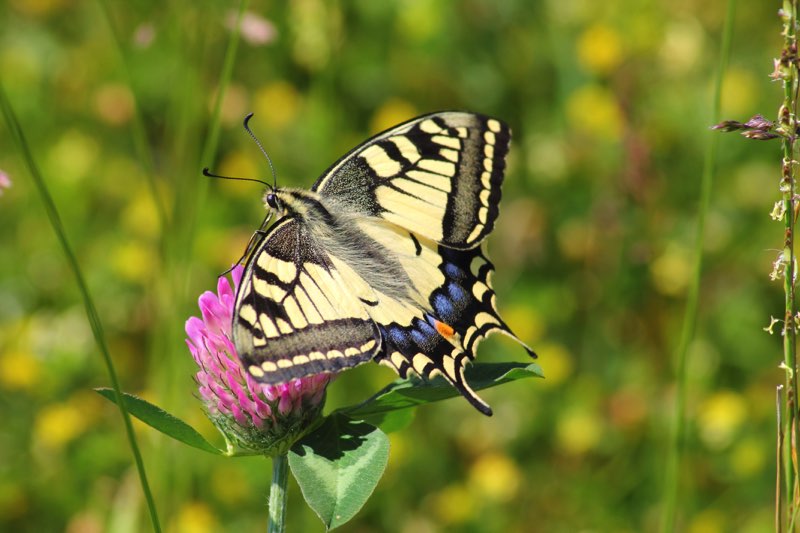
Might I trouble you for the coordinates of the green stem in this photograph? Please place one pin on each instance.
(675, 453)
(277, 494)
(88, 302)
(140, 142)
(200, 189)
(788, 123)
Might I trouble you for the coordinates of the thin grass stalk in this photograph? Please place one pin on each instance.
(170, 375)
(212, 139)
(677, 440)
(787, 118)
(91, 312)
(778, 459)
(141, 143)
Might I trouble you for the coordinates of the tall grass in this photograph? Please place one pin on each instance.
(91, 311)
(673, 466)
(787, 70)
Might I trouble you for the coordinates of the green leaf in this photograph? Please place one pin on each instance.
(161, 420)
(390, 421)
(406, 393)
(338, 466)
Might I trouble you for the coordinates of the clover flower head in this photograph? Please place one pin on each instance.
(253, 416)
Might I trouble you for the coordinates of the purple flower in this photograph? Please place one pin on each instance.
(254, 416)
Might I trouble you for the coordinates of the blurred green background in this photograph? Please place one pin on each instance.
(610, 104)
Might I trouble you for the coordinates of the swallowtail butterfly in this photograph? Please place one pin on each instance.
(382, 260)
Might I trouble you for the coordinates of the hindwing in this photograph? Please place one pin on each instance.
(294, 312)
(440, 335)
(438, 176)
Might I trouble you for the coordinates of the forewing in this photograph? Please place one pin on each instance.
(438, 176)
(295, 314)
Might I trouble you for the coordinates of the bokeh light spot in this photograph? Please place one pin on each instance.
(599, 49)
(719, 418)
(593, 110)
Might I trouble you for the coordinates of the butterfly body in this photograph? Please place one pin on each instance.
(382, 259)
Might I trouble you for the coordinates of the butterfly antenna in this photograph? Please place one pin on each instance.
(208, 174)
(261, 147)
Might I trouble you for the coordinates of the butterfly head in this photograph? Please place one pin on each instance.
(276, 201)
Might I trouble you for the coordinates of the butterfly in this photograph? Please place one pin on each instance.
(382, 259)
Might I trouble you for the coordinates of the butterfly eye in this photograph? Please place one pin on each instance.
(272, 200)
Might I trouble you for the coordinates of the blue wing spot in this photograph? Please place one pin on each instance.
(453, 271)
(397, 336)
(443, 306)
(419, 338)
(424, 335)
(456, 292)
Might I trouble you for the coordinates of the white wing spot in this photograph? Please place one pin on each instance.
(488, 136)
(268, 326)
(440, 167)
(493, 125)
(475, 232)
(284, 326)
(483, 319)
(449, 367)
(406, 147)
(263, 260)
(433, 180)
(486, 179)
(419, 361)
(380, 162)
(429, 126)
(294, 313)
(285, 270)
(483, 214)
(255, 371)
(248, 313)
(450, 142)
(367, 346)
(450, 155)
(397, 359)
(307, 307)
(478, 290)
(423, 192)
(351, 352)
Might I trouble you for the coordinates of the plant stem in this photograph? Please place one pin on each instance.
(675, 453)
(787, 118)
(277, 494)
(88, 302)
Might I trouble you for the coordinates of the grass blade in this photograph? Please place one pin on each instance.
(675, 452)
(91, 312)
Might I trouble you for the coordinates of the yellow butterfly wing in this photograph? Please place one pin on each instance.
(438, 176)
(295, 313)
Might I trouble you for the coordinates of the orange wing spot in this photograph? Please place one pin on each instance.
(444, 330)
